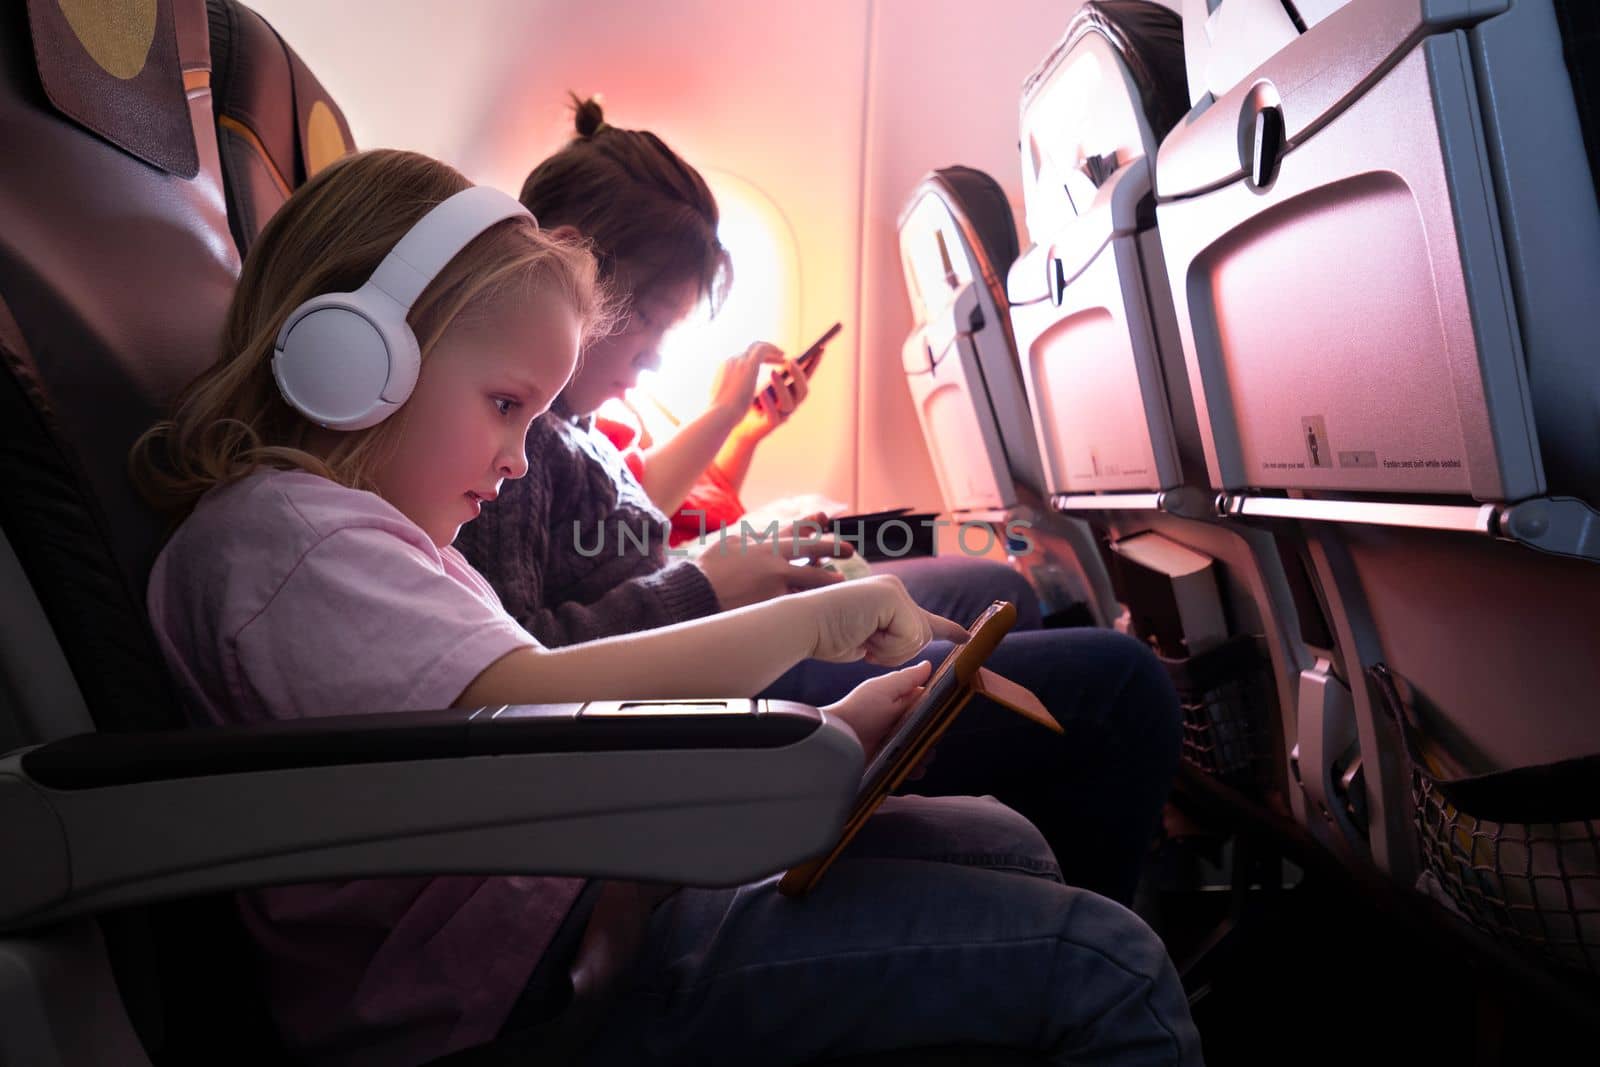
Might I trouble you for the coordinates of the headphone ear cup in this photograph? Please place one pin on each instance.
(346, 361)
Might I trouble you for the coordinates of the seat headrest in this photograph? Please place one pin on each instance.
(116, 71)
(1148, 39)
(276, 124)
(980, 198)
(117, 270)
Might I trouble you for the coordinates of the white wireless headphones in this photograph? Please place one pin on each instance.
(349, 360)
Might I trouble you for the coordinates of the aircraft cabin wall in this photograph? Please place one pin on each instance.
(813, 123)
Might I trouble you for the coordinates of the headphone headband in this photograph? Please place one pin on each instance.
(438, 237)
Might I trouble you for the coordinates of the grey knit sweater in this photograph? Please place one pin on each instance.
(551, 547)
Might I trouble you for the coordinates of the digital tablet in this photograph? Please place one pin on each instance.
(955, 682)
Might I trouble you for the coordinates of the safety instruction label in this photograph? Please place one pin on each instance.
(1315, 432)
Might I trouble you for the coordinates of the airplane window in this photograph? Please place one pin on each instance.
(765, 303)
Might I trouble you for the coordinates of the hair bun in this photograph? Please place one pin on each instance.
(588, 119)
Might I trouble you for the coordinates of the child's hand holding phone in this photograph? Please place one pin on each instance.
(789, 385)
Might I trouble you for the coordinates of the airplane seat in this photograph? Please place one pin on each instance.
(1108, 393)
(115, 205)
(989, 211)
(1383, 243)
(1092, 115)
(276, 124)
(115, 208)
(123, 832)
(957, 238)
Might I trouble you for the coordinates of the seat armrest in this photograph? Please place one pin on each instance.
(702, 792)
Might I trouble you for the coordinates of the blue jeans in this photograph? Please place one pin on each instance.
(944, 923)
(961, 587)
(1096, 790)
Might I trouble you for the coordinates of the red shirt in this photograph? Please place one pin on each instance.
(711, 493)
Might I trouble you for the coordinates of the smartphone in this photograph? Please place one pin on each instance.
(807, 362)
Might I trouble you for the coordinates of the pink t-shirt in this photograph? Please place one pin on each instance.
(285, 595)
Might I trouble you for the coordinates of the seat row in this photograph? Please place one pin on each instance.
(1305, 303)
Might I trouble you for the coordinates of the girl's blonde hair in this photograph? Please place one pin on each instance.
(329, 237)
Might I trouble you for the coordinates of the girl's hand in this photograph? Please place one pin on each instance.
(873, 708)
(873, 619)
(736, 378)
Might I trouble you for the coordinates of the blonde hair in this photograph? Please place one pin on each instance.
(329, 237)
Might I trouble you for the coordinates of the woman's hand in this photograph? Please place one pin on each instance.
(735, 381)
(749, 425)
(873, 708)
(873, 619)
(747, 570)
(790, 386)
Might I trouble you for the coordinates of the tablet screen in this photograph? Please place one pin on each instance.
(941, 686)
(946, 691)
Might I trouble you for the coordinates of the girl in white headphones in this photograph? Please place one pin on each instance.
(393, 335)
